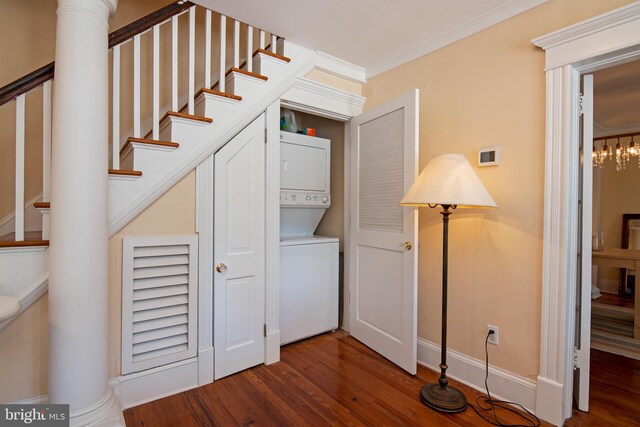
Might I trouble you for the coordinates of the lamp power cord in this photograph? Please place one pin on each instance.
(486, 405)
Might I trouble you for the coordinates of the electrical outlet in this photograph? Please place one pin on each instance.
(494, 338)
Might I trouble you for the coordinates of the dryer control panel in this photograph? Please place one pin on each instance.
(305, 199)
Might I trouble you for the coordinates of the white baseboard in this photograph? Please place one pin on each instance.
(502, 384)
(272, 348)
(549, 401)
(142, 387)
(205, 365)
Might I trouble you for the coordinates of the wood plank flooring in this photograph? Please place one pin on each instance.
(614, 398)
(331, 379)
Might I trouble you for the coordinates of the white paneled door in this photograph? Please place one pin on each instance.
(239, 252)
(383, 234)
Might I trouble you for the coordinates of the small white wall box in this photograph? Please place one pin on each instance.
(489, 156)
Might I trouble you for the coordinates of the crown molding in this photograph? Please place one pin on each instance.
(616, 17)
(340, 67)
(586, 44)
(492, 17)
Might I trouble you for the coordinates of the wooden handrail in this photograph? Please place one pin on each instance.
(146, 22)
(25, 83)
(36, 78)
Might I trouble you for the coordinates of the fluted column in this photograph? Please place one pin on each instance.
(78, 302)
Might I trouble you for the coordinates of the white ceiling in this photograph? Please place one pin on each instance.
(376, 35)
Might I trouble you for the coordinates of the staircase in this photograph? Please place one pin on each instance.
(155, 153)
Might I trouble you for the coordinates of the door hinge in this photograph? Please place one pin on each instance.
(581, 105)
(265, 330)
(575, 358)
(265, 135)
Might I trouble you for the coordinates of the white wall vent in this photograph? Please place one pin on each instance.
(159, 306)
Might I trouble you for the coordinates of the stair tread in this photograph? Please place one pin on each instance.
(247, 73)
(32, 238)
(149, 142)
(124, 172)
(42, 205)
(186, 116)
(218, 93)
(23, 243)
(273, 55)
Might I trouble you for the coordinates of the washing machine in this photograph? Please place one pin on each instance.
(308, 263)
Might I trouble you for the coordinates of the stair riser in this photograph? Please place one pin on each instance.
(243, 85)
(137, 155)
(267, 65)
(216, 107)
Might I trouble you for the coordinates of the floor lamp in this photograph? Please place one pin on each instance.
(448, 181)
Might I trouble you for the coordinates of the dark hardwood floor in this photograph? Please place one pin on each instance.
(614, 398)
(333, 379)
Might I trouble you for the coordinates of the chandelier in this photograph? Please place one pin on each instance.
(623, 153)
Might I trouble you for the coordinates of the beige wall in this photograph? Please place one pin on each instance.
(23, 354)
(485, 90)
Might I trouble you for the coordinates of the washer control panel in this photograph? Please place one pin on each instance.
(301, 198)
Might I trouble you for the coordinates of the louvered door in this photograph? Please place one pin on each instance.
(383, 235)
(159, 306)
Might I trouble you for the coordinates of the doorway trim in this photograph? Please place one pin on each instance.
(603, 41)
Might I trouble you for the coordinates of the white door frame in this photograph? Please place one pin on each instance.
(600, 42)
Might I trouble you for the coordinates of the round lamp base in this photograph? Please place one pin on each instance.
(444, 399)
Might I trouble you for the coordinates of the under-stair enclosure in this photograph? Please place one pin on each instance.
(183, 81)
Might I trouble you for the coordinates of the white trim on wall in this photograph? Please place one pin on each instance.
(340, 67)
(470, 371)
(322, 100)
(204, 228)
(272, 234)
(475, 25)
(606, 40)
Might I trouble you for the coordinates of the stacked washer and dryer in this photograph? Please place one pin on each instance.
(308, 263)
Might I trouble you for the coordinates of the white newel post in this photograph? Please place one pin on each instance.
(78, 293)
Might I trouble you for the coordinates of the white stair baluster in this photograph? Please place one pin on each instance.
(46, 153)
(156, 83)
(223, 51)
(192, 57)
(174, 63)
(19, 215)
(249, 48)
(236, 44)
(207, 50)
(273, 43)
(261, 39)
(46, 141)
(136, 86)
(115, 137)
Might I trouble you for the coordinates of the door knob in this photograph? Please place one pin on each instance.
(407, 245)
(221, 268)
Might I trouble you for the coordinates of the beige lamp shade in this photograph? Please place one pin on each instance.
(448, 179)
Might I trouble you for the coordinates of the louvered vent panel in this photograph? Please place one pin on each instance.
(158, 301)
(381, 173)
